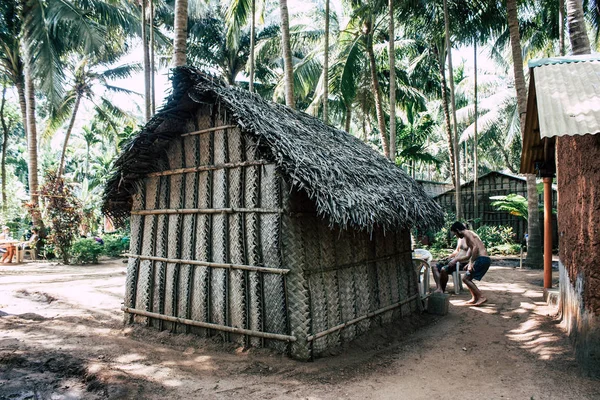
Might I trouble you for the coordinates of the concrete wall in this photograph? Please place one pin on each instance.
(578, 173)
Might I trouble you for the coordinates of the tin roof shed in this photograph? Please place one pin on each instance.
(563, 100)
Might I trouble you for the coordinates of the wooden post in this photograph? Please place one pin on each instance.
(547, 233)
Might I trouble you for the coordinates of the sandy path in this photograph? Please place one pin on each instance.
(61, 337)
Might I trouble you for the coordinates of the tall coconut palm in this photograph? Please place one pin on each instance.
(288, 66)
(326, 66)
(88, 74)
(146, 57)
(534, 246)
(580, 44)
(180, 32)
(11, 62)
(238, 14)
(456, 152)
(50, 29)
(392, 59)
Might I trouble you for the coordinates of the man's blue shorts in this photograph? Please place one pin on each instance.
(480, 267)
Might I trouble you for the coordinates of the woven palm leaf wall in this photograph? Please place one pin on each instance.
(337, 276)
(222, 173)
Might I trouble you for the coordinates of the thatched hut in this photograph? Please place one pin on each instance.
(262, 224)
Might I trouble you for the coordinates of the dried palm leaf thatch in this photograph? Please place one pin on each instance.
(351, 184)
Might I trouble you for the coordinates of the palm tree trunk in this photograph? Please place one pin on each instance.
(392, 59)
(68, 135)
(348, 118)
(288, 68)
(32, 145)
(376, 91)
(22, 105)
(561, 27)
(456, 152)
(580, 44)
(180, 28)
(5, 131)
(326, 66)
(446, 109)
(534, 244)
(152, 64)
(147, 96)
(475, 139)
(252, 44)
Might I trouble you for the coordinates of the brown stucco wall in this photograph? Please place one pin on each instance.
(578, 173)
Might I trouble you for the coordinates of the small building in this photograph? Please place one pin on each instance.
(494, 183)
(261, 224)
(562, 137)
(433, 188)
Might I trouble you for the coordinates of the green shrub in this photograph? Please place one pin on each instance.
(115, 245)
(504, 249)
(86, 251)
(495, 235)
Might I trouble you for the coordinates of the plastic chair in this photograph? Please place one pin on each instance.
(30, 249)
(422, 262)
(456, 279)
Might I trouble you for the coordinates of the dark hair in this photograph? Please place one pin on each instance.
(457, 227)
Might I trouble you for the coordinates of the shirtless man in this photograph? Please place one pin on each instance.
(446, 267)
(478, 264)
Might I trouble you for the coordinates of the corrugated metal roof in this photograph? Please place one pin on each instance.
(564, 60)
(568, 96)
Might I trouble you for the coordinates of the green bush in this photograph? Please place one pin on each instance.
(495, 235)
(115, 245)
(504, 249)
(86, 251)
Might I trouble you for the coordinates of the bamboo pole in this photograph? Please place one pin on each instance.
(208, 325)
(357, 320)
(207, 168)
(280, 271)
(208, 130)
(206, 211)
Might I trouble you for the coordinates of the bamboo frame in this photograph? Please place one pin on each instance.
(280, 271)
(213, 167)
(206, 211)
(208, 130)
(208, 325)
(357, 320)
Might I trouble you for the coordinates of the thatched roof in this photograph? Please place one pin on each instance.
(351, 184)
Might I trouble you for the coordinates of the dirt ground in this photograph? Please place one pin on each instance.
(62, 337)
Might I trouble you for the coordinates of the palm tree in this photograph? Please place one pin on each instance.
(326, 66)
(456, 152)
(11, 62)
(237, 15)
(580, 43)
(534, 246)
(50, 29)
(86, 75)
(180, 32)
(392, 58)
(288, 67)
(146, 57)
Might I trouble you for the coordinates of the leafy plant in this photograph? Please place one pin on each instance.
(495, 235)
(86, 251)
(515, 204)
(115, 245)
(64, 212)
